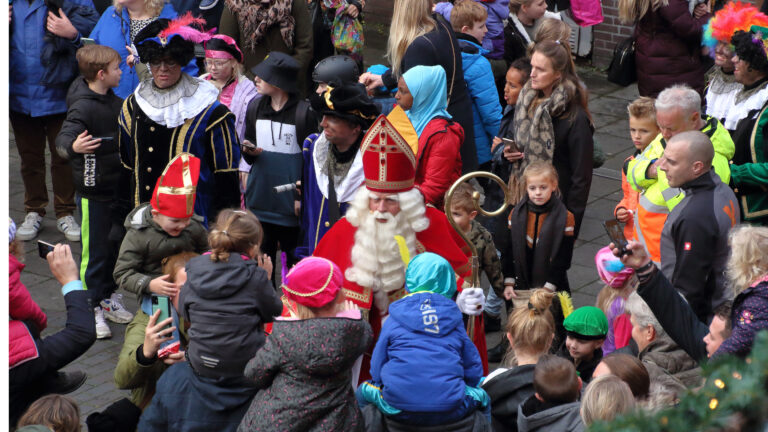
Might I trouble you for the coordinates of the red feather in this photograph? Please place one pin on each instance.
(185, 20)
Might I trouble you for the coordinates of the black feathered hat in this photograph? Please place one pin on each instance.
(349, 102)
(170, 38)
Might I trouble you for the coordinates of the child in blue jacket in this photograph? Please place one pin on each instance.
(468, 20)
(424, 369)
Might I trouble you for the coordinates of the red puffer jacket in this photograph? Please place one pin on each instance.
(668, 49)
(438, 160)
(21, 307)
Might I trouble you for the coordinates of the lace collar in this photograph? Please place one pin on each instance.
(172, 106)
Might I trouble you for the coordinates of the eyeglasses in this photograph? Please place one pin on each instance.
(168, 63)
(216, 64)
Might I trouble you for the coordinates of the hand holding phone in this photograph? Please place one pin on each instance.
(43, 248)
(616, 234)
(510, 145)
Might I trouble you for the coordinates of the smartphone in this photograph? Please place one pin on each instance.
(87, 41)
(162, 303)
(616, 234)
(105, 138)
(248, 144)
(510, 144)
(43, 248)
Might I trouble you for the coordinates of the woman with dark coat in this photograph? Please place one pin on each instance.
(668, 43)
(419, 38)
(552, 123)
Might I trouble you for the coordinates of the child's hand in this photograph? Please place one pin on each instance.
(161, 286)
(297, 207)
(348, 305)
(623, 215)
(495, 143)
(265, 262)
(155, 335)
(509, 292)
(85, 143)
(250, 148)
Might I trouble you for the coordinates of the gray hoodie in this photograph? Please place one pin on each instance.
(534, 415)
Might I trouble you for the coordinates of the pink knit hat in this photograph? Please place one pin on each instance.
(610, 269)
(313, 282)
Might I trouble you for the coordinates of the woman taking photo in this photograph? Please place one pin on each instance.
(419, 38)
(667, 43)
(552, 123)
(118, 27)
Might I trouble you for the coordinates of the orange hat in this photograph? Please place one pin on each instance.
(174, 194)
(389, 164)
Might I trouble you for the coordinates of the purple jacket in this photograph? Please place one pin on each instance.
(498, 10)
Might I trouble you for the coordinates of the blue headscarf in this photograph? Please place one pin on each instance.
(430, 97)
(429, 272)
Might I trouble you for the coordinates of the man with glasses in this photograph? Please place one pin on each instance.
(172, 113)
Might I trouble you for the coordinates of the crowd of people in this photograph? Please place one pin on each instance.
(291, 225)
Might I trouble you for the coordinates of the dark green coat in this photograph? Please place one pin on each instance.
(146, 245)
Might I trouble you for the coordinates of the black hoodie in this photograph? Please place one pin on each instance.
(227, 304)
(95, 175)
(507, 391)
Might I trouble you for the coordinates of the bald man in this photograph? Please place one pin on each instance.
(694, 241)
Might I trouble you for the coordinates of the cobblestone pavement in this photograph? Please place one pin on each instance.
(608, 107)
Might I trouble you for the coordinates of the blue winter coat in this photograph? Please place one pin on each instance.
(26, 72)
(185, 402)
(486, 110)
(424, 359)
(114, 30)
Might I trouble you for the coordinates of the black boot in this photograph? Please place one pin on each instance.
(496, 354)
(491, 324)
(66, 382)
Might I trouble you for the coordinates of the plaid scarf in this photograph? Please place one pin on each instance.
(256, 17)
(534, 133)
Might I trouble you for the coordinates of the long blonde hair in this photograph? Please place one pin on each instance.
(152, 7)
(748, 260)
(410, 19)
(632, 11)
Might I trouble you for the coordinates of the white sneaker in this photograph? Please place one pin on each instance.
(69, 227)
(31, 226)
(102, 329)
(114, 310)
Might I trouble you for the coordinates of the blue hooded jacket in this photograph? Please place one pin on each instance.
(424, 359)
(486, 109)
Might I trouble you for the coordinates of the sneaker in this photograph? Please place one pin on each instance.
(114, 310)
(102, 329)
(66, 382)
(207, 4)
(69, 227)
(31, 226)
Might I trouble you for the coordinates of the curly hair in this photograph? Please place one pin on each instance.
(751, 49)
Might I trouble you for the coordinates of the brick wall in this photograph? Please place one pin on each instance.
(607, 34)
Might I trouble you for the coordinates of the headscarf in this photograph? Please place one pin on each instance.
(428, 87)
(429, 272)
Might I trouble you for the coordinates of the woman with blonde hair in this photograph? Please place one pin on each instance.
(420, 38)
(667, 42)
(747, 271)
(117, 28)
(530, 330)
(605, 398)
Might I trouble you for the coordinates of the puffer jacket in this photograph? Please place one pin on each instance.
(96, 113)
(508, 389)
(114, 31)
(27, 93)
(486, 110)
(664, 353)
(668, 49)
(227, 304)
(424, 367)
(21, 308)
(304, 373)
(438, 161)
(146, 245)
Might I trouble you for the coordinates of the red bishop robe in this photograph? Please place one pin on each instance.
(439, 238)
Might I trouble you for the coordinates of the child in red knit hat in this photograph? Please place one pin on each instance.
(304, 371)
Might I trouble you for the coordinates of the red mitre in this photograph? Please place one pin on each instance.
(389, 164)
(174, 194)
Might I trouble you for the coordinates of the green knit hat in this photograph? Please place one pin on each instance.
(586, 323)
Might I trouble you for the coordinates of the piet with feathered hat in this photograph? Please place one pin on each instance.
(173, 112)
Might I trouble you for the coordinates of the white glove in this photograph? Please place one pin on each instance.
(471, 301)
